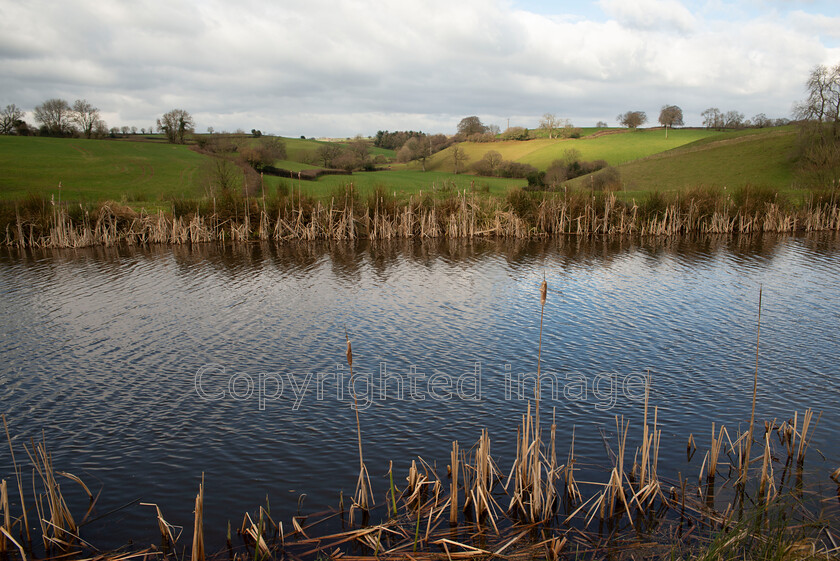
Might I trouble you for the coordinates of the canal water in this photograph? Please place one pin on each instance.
(146, 368)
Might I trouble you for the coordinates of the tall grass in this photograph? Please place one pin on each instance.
(287, 214)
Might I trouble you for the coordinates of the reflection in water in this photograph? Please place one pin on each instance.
(101, 348)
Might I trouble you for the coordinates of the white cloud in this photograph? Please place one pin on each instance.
(319, 67)
(650, 14)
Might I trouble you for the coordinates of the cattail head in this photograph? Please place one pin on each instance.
(543, 292)
(349, 354)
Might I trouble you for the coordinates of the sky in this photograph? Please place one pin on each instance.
(337, 68)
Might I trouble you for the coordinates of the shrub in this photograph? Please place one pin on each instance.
(608, 179)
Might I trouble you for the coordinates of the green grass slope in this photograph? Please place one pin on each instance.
(402, 182)
(726, 161)
(616, 147)
(96, 170)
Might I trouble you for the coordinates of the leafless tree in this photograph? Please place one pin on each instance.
(9, 118)
(549, 123)
(328, 152)
(823, 102)
(712, 118)
(54, 115)
(733, 120)
(670, 116)
(632, 119)
(85, 116)
(459, 157)
(601, 124)
(176, 125)
(819, 128)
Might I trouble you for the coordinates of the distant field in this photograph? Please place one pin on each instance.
(616, 148)
(147, 172)
(95, 170)
(402, 182)
(730, 160)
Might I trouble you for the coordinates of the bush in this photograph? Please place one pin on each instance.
(608, 179)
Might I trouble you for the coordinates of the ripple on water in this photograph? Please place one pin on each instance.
(101, 350)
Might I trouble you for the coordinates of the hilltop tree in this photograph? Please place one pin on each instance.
(670, 116)
(819, 128)
(632, 119)
(470, 126)
(54, 116)
(712, 118)
(9, 119)
(823, 102)
(733, 120)
(85, 116)
(601, 124)
(549, 123)
(176, 125)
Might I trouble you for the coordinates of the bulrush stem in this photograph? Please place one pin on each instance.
(746, 461)
(361, 487)
(537, 389)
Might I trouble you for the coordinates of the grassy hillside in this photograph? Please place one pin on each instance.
(616, 147)
(146, 173)
(94, 170)
(730, 160)
(402, 182)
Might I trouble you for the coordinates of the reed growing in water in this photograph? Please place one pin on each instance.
(764, 513)
(522, 214)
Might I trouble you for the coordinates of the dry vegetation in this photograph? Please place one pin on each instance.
(522, 214)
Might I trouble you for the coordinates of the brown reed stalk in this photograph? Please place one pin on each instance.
(543, 296)
(198, 526)
(745, 462)
(363, 491)
(167, 535)
(453, 487)
(7, 519)
(60, 529)
(18, 477)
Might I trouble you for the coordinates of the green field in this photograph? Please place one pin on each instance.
(95, 170)
(617, 147)
(400, 182)
(142, 172)
(727, 160)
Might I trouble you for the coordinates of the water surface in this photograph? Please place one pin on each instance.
(101, 349)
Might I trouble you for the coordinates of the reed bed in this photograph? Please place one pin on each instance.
(522, 215)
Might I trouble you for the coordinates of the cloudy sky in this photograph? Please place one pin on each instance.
(346, 67)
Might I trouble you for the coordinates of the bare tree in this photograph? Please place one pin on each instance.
(9, 119)
(459, 157)
(549, 123)
(176, 125)
(601, 124)
(819, 128)
(85, 116)
(670, 116)
(328, 152)
(632, 119)
(761, 120)
(733, 120)
(823, 103)
(712, 118)
(54, 115)
(264, 152)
